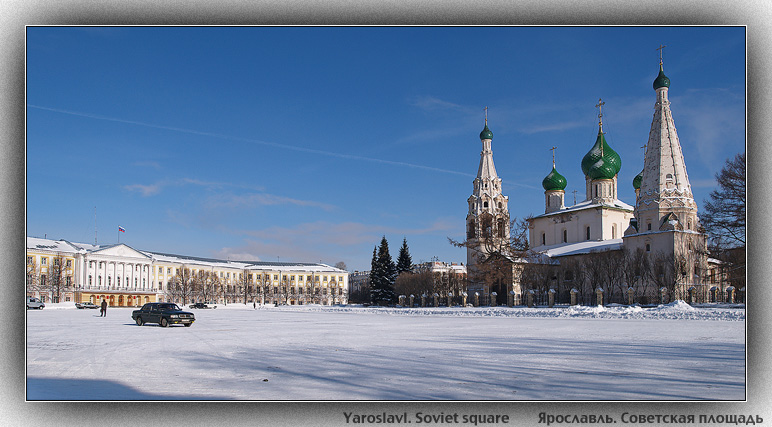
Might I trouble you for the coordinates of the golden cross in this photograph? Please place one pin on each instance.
(553, 156)
(660, 48)
(599, 106)
(644, 150)
(486, 116)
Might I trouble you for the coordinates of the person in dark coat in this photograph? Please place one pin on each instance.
(103, 310)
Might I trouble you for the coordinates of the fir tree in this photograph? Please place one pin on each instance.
(383, 273)
(404, 261)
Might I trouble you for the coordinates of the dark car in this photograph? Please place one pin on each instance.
(163, 313)
(198, 305)
(83, 305)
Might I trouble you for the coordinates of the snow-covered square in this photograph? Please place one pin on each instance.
(670, 352)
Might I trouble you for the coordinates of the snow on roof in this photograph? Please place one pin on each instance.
(244, 265)
(51, 245)
(588, 204)
(68, 247)
(582, 247)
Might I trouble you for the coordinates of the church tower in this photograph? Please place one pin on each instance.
(487, 221)
(664, 187)
(554, 185)
(666, 219)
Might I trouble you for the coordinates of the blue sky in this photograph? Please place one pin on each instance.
(310, 143)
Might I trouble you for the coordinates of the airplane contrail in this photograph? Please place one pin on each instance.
(255, 141)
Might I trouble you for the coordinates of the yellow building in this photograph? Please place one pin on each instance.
(126, 277)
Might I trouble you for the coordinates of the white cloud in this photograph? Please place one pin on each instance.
(323, 240)
(145, 190)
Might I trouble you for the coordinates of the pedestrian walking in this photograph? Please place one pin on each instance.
(103, 309)
(254, 305)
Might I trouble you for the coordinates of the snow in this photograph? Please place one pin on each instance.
(581, 247)
(669, 352)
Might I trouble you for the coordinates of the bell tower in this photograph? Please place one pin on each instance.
(487, 221)
(666, 219)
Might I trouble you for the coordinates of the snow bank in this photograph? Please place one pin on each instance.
(60, 306)
(673, 311)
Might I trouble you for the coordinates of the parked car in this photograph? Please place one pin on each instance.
(198, 305)
(163, 313)
(83, 305)
(34, 303)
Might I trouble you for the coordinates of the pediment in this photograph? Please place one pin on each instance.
(121, 250)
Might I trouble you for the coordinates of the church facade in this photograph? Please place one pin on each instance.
(654, 251)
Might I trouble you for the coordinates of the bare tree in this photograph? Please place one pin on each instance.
(634, 271)
(418, 283)
(59, 277)
(537, 274)
(245, 282)
(724, 214)
(182, 285)
(263, 283)
(33, 275)
(494, 255)
(614, 279)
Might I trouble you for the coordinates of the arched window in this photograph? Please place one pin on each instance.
(588, 232)
(501, 227)
(543, 238)
(614, 231)
(565, 236)
(487, 226)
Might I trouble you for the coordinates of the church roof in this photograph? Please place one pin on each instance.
(588, 204)
(582, 247)
(554, 181)
(486, 133)
(662, 80)
(637, 180)
(601, 162)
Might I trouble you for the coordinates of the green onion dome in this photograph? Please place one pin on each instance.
(486, 133)
(637, 181)
(601, 162)
(661, 80)
(554, 181)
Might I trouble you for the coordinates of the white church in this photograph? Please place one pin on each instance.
(662, 223)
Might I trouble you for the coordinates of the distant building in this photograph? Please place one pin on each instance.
(359, 286)
(61, 271)
(450, 277)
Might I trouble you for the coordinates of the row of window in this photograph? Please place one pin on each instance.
(44, 261)
(43, 278)
(586, 234)
(117, 281)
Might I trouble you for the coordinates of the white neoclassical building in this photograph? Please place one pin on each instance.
(62, 271)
